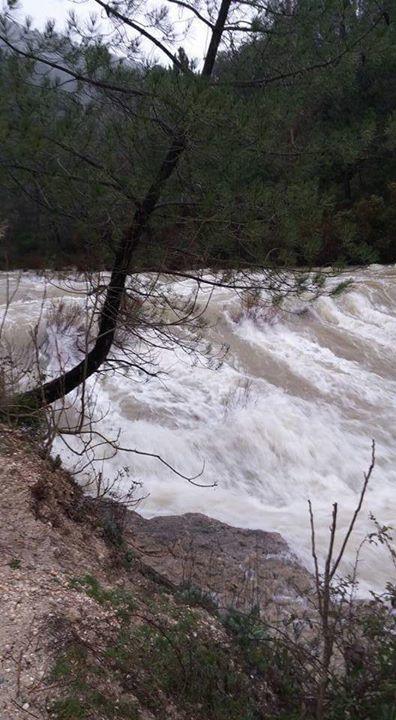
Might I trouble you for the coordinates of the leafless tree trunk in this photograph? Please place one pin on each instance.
(323, 586)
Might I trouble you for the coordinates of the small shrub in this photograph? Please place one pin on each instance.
(117, 597)
(69, 708)
(15, 564)
(270, 657)
(194, 670)
(195, 596)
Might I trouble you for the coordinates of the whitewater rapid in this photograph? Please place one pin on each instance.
(289, 415)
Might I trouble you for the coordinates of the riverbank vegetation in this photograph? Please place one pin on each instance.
(104, 626)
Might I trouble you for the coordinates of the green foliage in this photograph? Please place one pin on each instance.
(86, 679)
(364, 688)
(117, 597)
(194, 596)
(169, 654)
(225, 666)
(113, 531)
(341, 287)
(368, 687)
(272, 658)
(300, 169)
(195, 670)
(15, 564)
(71, 662)
(70, 708)
(93, 704)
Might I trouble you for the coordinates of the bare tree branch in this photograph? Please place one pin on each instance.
(194, 10)
(113, 12)
(367, 477)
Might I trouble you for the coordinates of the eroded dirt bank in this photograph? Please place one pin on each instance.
(107, 615)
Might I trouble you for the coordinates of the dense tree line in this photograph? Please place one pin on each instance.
(290, 157)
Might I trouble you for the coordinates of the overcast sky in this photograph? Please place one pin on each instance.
(41, 10)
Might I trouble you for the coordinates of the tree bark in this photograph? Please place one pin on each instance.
(217, 32)
(62, 385)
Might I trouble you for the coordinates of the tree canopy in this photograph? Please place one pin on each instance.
(289, 149)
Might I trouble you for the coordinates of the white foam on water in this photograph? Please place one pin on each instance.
(289, 416)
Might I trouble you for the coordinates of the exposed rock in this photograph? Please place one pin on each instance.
(237, 567)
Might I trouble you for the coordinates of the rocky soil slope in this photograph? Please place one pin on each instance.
(107, 615)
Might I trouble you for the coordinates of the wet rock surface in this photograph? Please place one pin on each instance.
(236, 567)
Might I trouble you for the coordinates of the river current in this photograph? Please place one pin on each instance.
(289, 415)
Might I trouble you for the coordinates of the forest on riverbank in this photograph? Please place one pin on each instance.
(290, 160)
